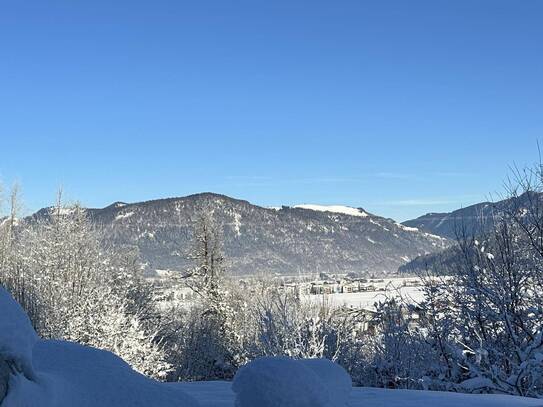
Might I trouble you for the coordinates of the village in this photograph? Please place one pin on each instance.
(344, 284)
(340, 291)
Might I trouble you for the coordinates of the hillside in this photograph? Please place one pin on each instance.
(286, 240)
(471, 219)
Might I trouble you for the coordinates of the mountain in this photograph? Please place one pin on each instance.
(287, 240)
(472, 219)
(444, 262)
(475, 220)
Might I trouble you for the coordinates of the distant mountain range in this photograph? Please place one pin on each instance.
(288, 240)
(472, 219)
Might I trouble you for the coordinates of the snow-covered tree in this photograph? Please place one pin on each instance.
(209, 347)
(487, 323)
(74, 288)
(206, 275)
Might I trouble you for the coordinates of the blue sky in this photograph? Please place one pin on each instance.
(400, 107)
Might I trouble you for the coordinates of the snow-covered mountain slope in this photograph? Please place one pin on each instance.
(345, 210)
(287, 240)
(475, 220)
(472, 219)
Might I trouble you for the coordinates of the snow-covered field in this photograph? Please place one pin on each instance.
(383, 288)
(388, 288)
(219, 394)
(366, 300)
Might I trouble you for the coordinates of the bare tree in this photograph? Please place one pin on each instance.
(206, 276)
(488, 318)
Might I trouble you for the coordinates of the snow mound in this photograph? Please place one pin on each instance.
(45, 373)
(284, 382)
(336, 379)
(17, 336)
(345, 210)
(69, 374)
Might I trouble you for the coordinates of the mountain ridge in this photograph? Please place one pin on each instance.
(284, 241)
(472, 219)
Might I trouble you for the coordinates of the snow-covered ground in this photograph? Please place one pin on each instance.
(17, 337)
(366, 300)
(398, 287)
(219, 394)
(386, 288)
(46, 373)
(69, 375)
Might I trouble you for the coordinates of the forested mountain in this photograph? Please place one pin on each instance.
(287, 240)
(470, 222)
(473, 219)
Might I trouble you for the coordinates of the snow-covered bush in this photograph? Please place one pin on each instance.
(198, 350)
(285, 325)
(495, 310)
(73, 288)
(485, 322)
(393, 354)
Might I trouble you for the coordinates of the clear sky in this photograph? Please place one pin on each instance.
(400, 107)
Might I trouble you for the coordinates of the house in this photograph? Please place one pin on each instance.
(325, 287)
